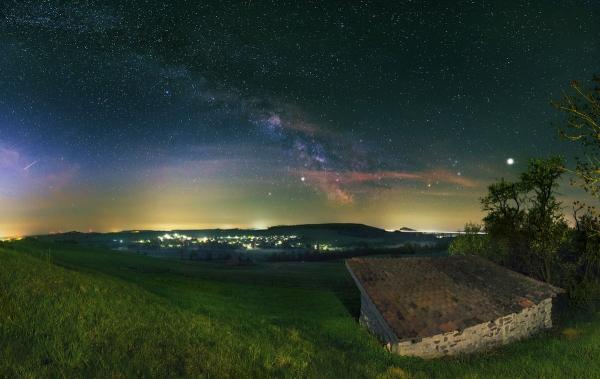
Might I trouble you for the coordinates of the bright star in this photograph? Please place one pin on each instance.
(510, 161)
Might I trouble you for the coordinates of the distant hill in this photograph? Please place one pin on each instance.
(344, 229)
(337, 234)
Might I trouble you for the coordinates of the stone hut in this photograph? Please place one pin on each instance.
(436, 306)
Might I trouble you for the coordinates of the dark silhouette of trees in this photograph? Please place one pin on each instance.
(582, 108)
(524, 222)
(546, 227)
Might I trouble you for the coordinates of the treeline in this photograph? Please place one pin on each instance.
(319, 256)
(525, 227)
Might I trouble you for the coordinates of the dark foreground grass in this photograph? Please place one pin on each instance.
(67, 311)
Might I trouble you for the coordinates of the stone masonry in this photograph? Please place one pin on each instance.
(480, 337)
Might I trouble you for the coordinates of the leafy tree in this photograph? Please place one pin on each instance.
(506, 206)
(524, 221)
(582, 107)
(590, 259)
(472, 242)
(585, 242)
(580, 260)
(545, 224)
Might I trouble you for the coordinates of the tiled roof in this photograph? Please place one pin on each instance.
(425, 296)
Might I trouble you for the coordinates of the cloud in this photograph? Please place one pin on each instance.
(9, 158)
(328, 183)
(20, 175)
(58, 180)
(449, 177)
(342, 187)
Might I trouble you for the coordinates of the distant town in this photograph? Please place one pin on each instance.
(279, 240)
(246, 242)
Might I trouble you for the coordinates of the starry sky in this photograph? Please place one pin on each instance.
(187, 114)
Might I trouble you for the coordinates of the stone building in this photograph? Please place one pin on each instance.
(436, 306)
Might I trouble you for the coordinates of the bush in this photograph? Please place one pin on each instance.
(472, 242)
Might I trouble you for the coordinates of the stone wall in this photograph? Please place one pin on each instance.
(484, 336)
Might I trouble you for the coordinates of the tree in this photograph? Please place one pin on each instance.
(472, 242)
(545, 225)
(505, 204)
(581, 259)
(524, 221)
(582, 108)
(589, 223)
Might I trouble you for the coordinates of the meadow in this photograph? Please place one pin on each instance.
(71, 311)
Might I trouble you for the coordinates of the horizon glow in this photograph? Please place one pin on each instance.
(119, 116)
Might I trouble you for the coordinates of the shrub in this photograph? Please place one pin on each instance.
(472, 242)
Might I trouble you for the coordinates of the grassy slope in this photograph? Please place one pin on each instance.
(68, 311)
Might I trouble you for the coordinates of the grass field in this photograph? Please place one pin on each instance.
(68, 311)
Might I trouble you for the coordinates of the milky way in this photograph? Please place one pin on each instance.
(153, 114)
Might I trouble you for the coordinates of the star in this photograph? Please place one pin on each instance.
(204, 119)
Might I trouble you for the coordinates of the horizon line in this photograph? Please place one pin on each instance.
(91, 231)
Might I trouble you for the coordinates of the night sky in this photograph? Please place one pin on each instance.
(142, 114)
